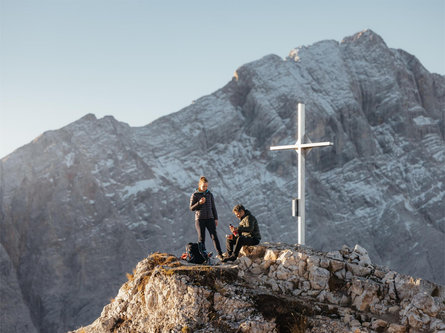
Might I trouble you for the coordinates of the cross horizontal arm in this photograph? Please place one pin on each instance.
(316, 144)
(302, 146)
(284, 147)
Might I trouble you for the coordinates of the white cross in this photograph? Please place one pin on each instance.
(302, 149)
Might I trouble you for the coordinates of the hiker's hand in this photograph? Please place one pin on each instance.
(216, 223)
(202, 201)
(231, 228)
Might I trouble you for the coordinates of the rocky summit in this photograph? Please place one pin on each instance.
(273, 288)
(81, 205)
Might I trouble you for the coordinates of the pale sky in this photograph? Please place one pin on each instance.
(141, 59)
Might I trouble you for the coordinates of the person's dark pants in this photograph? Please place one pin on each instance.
(201, 226)
(235, 244)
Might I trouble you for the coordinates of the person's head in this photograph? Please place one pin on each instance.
(203, 184)
(239, 211)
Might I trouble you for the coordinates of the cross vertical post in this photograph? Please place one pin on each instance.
(301, 175)
(302, 149)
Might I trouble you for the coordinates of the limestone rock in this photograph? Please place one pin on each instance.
(379, 324)
(363, 257)
(336, 255)
(396, 328)
(336, 265)
(318, 277)
(426, 304)
(271, 255)
(165, 294)
(358, 269)
(364, 293)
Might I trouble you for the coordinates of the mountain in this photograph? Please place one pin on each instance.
(273, 288)
(80, 206)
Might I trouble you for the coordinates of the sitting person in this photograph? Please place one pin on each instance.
(247, 233)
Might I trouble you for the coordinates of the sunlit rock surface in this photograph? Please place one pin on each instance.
(273, 288)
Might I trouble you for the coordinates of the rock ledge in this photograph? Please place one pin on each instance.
(273, 288)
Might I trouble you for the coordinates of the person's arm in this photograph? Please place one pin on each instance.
(246, 225)
(194, 202)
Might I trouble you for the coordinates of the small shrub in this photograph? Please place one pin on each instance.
(186, 329)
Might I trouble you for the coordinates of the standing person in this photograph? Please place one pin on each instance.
(248, 233)
(206, 216)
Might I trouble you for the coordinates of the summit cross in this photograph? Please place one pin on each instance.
(302, 149)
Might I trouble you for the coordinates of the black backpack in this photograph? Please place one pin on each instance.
(193, 254)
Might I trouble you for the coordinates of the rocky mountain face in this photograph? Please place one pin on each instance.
(273, 288)
(80, 206)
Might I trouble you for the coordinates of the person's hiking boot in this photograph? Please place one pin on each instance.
(231, 258)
